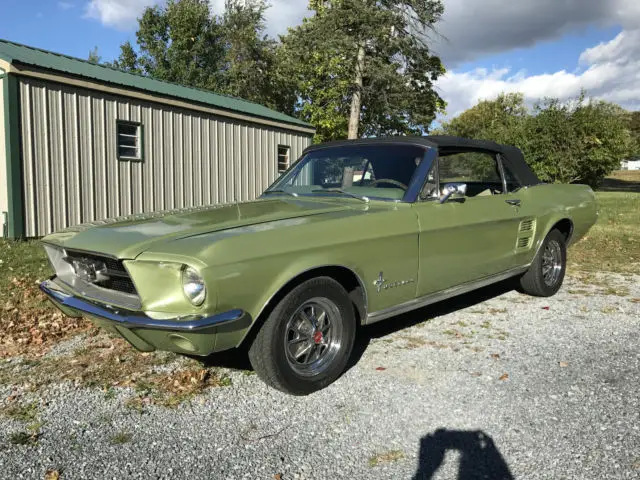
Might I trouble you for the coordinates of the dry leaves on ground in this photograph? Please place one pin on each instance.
(29, 325)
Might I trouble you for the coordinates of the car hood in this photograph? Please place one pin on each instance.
(128, 237)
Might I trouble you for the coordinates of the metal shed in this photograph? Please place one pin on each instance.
(81, 142)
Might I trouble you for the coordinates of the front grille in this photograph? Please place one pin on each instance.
(124, 285)
(119, 279)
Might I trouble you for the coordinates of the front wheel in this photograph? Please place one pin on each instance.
(305, 343)
(546, 273)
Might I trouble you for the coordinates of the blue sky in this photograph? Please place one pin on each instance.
(539, 47)
(61, 27)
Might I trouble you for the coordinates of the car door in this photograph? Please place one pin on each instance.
(467, 238)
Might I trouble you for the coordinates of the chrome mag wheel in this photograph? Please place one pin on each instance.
(313, 336)
(552, 263)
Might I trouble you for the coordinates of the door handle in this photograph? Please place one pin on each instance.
(513, 202)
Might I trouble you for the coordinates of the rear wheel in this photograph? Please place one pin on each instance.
(305, 343)
(546, 273)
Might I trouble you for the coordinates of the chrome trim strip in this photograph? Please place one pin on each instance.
(129, 319)
(442, 295)
(81, 250)
(102, 295)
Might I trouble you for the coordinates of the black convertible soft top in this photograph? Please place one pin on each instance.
(511, 156)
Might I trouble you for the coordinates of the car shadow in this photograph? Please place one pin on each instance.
(391, 325)
(479, 456)
(234, 359)
(237, 359)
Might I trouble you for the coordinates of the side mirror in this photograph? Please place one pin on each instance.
(453, 190)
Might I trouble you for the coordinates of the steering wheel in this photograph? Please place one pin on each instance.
(391, 181)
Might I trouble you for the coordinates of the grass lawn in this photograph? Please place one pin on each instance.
(613, 244)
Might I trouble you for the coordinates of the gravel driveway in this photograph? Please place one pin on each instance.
(492, 385)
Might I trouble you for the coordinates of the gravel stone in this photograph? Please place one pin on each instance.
(493, 385)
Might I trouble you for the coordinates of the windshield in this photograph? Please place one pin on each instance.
(373, 171)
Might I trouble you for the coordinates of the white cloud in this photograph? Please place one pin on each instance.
(611, 71)
(120, 14)
(472, 29)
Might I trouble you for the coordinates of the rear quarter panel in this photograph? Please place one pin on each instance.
(552, 203)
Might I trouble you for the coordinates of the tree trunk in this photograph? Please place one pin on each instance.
(356, 100)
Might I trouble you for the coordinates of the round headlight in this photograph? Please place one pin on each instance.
(193, 286)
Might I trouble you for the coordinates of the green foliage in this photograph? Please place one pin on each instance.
(577, 141)
(398, 71)
(581, 141)
(250, 68)
(634, 130)
(94, 57)
(500, 120)
(180, 42)
(128, 59)
(183, 42)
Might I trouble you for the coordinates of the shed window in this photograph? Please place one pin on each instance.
(129, 140)
(283, 157)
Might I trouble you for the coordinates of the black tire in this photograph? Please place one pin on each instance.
(272, 353)
(534, 281)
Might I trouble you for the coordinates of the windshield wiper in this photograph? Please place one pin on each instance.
(293, 194)
(339, 190)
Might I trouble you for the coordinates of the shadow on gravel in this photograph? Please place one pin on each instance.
(395, 324)
(479, 456)
(237, 359)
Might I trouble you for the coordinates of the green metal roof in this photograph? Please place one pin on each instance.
(15, 52)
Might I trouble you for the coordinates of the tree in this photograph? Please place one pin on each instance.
(501, 120)
(183, 42)
(128, 59)
(363, 67)
(94, 57)
(574, 141)
(634, 130)
(579, 141)
(250, 61)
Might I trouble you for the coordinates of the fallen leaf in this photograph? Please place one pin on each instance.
(495, 355)
(564, 364)
(504, 376)
(545, 308)
(52, 475)
(277, 476)
(380, 368)
(476, 374)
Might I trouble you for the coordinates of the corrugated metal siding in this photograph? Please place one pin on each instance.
(72, 174)
(4, 199)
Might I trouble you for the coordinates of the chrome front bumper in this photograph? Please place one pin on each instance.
(136, 320)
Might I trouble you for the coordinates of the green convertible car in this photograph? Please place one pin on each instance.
(354, 232)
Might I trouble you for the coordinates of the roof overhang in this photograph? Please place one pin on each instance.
(22, 69)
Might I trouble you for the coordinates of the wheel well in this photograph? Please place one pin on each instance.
(344, 276)
(564, 226)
